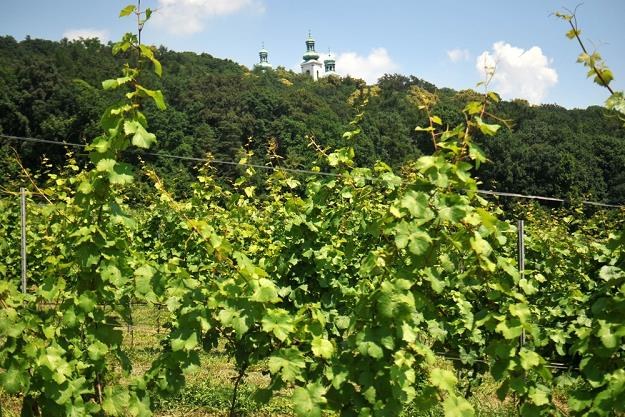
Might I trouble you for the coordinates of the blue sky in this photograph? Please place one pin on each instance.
(443, 41)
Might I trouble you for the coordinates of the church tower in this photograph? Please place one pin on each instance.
(330, 65)
(311, 64)
(264, 58)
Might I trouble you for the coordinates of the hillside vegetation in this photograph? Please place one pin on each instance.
(51, 90)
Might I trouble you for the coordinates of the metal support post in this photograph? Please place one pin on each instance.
(23, 247)
(521, 258)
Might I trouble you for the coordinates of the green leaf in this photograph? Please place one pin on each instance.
(109, 84)
(485, 128)
(185, 344)
(443, 379)
(112, 84)
(307, 401)
(122, 46)
(509, 332)
(112, 274)
(417, 205)
(616, 102)
(436, 120)
(520, 310)
(604, 77)
(564, 16)
(609, 273)
(351, 134)
(322, 348)
(409, 235)
(476, 154)
(457, 407)
(370, 394)
(127, 10)
(131, 126)
(85, 187)
(608, 338)
(529, 359)
(105, 165)
(116, 400)
(143, 279)
(13, 381)
(584, 58)
(573, 33)
(100, 144)
(371, 349)
(408, 333)
(473, 107)
(391, 180)
(279, 322)
(232, 318)
(159, 100)
(266, 292)
(141, 137)
(539, 395)
(494, 96)
(424, 129)
(288, 362)
(97, 350)
(480, 246)
(452, 213)
(148, 53)
(121, 174)
(156, 95)
(86, 302)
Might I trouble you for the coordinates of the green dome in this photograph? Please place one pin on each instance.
(310, 55)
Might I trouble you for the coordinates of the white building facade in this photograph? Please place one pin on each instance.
(311, 64)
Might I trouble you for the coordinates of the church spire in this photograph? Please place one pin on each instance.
(330, 64)
(263, 54)
(311, 64)
(310, 54)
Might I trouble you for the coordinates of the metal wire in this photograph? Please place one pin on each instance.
(305, 172)
(542, 198)
(37, 140)
(184, 158)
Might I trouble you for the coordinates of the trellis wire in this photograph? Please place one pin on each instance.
(305, 172)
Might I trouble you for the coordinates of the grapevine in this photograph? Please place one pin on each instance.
(359, 293)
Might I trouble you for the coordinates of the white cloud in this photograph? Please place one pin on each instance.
(518, 73)
(369, 68)
(74, 34)
(185, 17)
(457, 55)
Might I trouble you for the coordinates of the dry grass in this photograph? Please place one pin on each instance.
(10, 405)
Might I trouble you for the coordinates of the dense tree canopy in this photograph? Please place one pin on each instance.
(51, 90)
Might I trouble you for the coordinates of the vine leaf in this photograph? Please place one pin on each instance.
(127, 10)
(307, 400)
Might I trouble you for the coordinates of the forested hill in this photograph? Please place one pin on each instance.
(51, 90)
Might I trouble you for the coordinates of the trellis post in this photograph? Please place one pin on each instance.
(23, 238)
